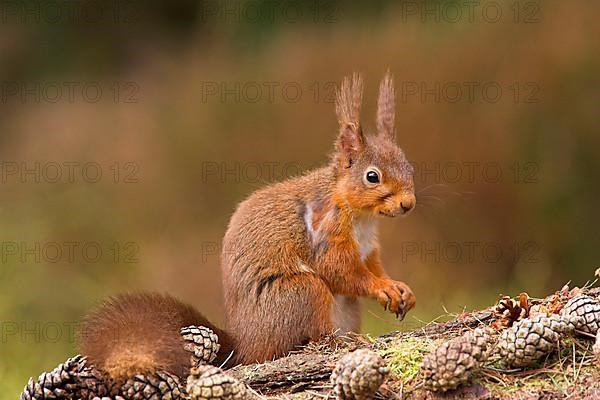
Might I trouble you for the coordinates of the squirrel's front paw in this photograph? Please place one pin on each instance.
(395, 296)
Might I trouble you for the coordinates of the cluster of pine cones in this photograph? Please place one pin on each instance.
(358, 375)
(527, 341)
(76, 379)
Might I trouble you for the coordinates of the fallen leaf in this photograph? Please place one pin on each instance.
(524, 302)
(539, 309)
(554, 305)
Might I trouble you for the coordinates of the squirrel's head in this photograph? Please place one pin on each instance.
(373, 174)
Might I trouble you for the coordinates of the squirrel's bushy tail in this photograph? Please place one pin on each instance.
(138, 333)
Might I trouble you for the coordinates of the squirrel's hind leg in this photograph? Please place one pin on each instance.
(346, 314)
(291, 311)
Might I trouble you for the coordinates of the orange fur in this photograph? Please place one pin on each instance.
(139, 333)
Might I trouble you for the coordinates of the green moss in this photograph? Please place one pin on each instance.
(369, 338)
(405, 357)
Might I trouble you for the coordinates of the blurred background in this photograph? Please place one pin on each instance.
(130, 131)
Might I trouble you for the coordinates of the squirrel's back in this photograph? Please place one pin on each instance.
(267, 254)
(139, 333)
(267, 233)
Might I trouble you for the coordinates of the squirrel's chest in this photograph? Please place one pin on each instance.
(321, 225)
(364, 232)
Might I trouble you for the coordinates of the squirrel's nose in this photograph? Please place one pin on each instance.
(407, 204)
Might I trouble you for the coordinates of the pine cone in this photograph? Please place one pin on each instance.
(531, 339)
(211, 383)
(511, 309)
(358, 375)
(73, 379)
(160, 385)
(202, 342)
(586, 307)
(454, 362)
(92, 384)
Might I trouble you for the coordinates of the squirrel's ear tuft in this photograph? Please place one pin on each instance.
(386, 107)
(348, 101)
(350, 139)
(349, 144)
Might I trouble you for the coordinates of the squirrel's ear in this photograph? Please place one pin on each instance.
(350, 139)
(386, 107)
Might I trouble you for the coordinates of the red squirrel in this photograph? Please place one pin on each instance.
(296, 256)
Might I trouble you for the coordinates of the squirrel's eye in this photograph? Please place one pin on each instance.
(372, 176)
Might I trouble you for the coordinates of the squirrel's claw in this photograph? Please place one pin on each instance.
(396, 297)
(400, 314)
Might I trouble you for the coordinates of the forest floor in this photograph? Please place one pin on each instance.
(571, 372)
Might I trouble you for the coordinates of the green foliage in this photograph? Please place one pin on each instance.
(405, 357)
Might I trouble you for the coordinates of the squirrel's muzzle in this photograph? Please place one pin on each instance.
(402, 205)
(407, 203)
